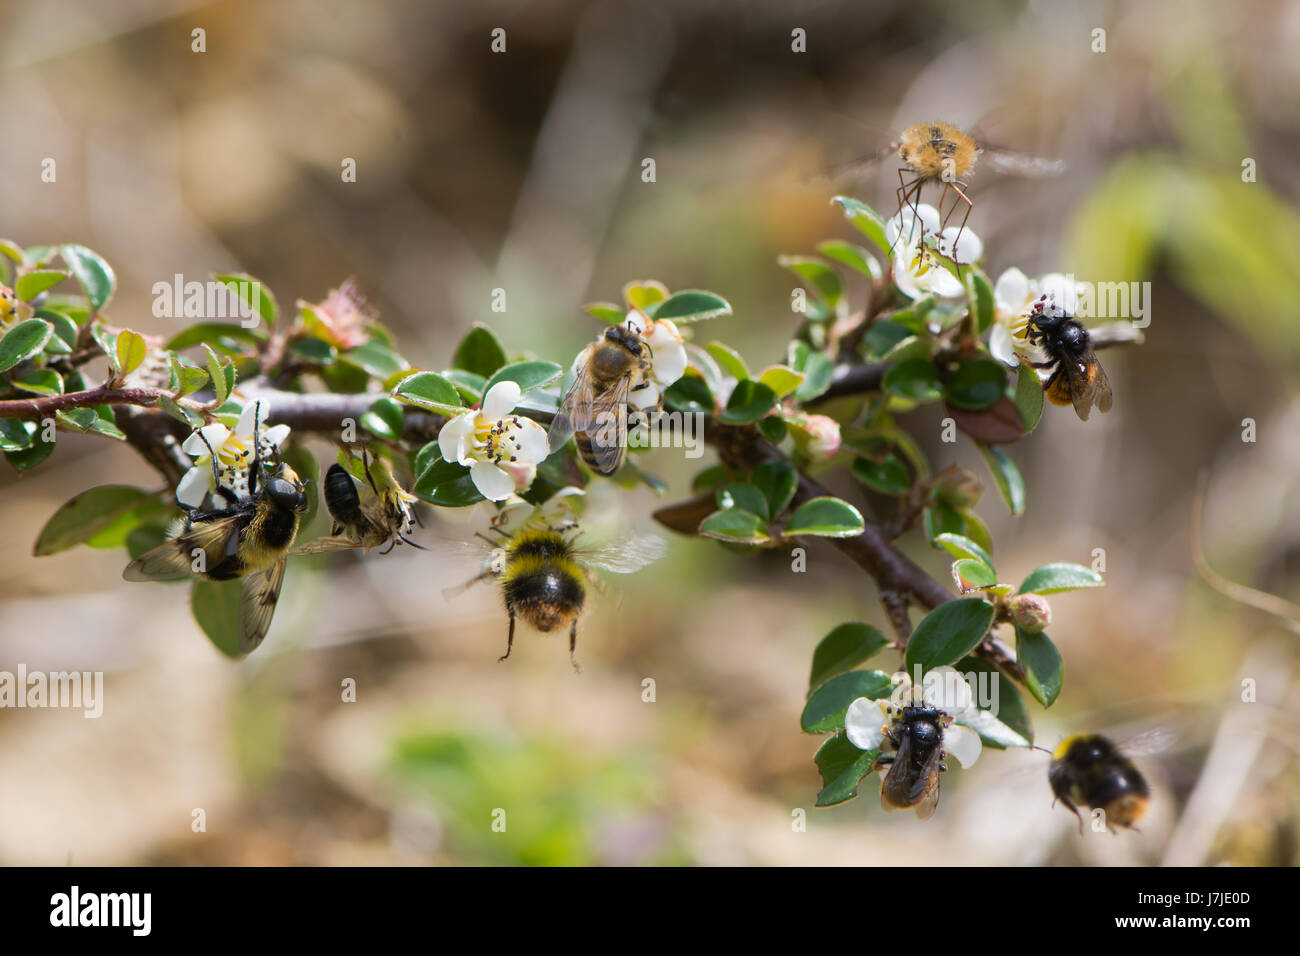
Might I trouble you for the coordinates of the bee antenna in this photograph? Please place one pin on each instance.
(418, 547)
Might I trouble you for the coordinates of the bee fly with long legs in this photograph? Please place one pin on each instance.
(248, 539)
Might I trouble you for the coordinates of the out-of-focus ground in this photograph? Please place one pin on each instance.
(520, 170)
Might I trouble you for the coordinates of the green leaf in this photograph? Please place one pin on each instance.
(916, 380)
(94, 274)
(1062, 576)
(816, 368)
(948, 633)
(889, 477)
(384, 418)
(972, 574)
(827, 705)
(982, 304)
(213, 333)
(823, 281)
(772, 428)
(23, 341)
(843, 649)
(375, 359)
(41, 381)
(448, 484)
(854, 256)
(86, 515)
(826, 516)
(690, 305)
(31, 456)
(65, 329)
(866, 220)
(842, 767)
(1044, 669)
(31, 284)
(884, 336)
(689, 394)
(963, 547)
(1029, 397)
(528, 375)
(777, 481)
(215, 605)
(976, 384)
(131, 351)
(607, 312)
(479, 352)
(253, 293)
(11, 249)
(744, 496)
(15, 435)
(749, 401)
(645, 294)
(469, 385)
(729, 359)
(781, 379)
(940, 519)
(189, 378)
(315, 351)
(105, 423)
(217, 371)
(181, 412)
(429, 390)
(735, 524)
(1005, 475)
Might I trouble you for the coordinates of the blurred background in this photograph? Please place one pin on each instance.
(521, 170)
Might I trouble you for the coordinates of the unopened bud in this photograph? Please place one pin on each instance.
(958, 487)
(1031, 612)
(817, 436)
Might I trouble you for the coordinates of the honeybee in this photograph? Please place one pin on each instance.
(595, 408)
(1077, 377)
(544, 577)
(1088, 769)
(940, 152)
(913, 778)
(384, 518)
(249, 539)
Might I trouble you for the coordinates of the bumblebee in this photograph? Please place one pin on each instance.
(1089, 770)
(1077, 377)
(384, 518)
(248, 540)
(544, 578)
(913, 778)
(594, 410)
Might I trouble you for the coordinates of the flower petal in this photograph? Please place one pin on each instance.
(968, 250)
(253, 411)
(492, 483)
(1011, 291)
(216, 434)
(963, 743)
(644, 397)
(864, 723)
(636, 319)
(1000, 345)
(1062, 289)
(501, 400)
(945, 688)
(194, 485)
(669, 362)
(533, 444)
(454, 438)
(275, 435)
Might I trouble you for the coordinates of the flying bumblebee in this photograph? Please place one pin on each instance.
(595, 408)
(1089, 770)
(385, 518)
(1077, 377)
(249, 540)
(913, 777)
(544, 578)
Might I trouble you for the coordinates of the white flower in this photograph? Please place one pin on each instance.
(668, 355)
(500, 449)
(234, 451)
(1014, 297)
(557, 511)
(917, 270)
(943, 688)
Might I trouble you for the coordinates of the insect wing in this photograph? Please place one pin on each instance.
(629, 554)
(1021, 164)
(575, 407)
(257, 605)
(215, 539)
(606, 431)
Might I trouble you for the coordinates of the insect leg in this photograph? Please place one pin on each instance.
(225, 492)
(959, 189)
(510, 639)
(573, 643)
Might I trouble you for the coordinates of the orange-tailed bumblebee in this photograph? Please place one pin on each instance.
(1077, 377)
(1089, 770)
(249, 540)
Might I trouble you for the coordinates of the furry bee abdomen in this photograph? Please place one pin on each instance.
(544, 596)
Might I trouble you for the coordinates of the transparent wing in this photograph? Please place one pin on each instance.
(257, 605)
(1022, 164)
(607, 412)
(630, 553)
(337, 542)
(175, 558)
(574, 408)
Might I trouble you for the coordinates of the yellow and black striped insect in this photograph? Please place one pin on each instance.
(385, 518)
(249, 539)
(544, 577)
(1089, 770)
(595, 408)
